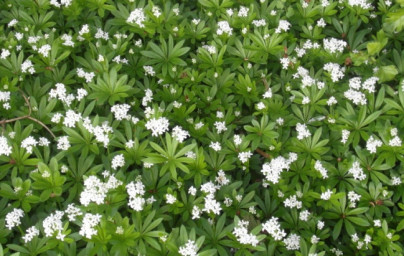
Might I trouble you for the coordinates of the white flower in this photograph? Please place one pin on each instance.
(395, 142)
(89, 222)
(192, 191)
(211, 205)
(88, 76)
(44, 50)
(345, 136)
(65, 3)
(304, 215)
(319, 167)
(5, 149)
(227, 201)
(332, 101)
(334, 45)
(285, 61)
(306, 100)
(148, 97)
(320, 224)
(302, 131)
(28, 144)
(372, 144)
(273, 227)
(220, 126)
(237, 140)
(326, 195)
(314, 240)
(149, 70)
(221, 178)
(210, 48)
(13, 218)
(337, 73)
(196, 212)
(30, 233)
(72, 212)
(292, 242)
(357, 171)
(215, 146)
(27, 66)
(63, 143)
(118, 161)
(189, 249)
(53, 223)
(242, 235)
(170, 199)
(292, 202)
(395, 181)
(273, 170)
(71, 118)
(43, 142)
(224, 27)
(137, 16)
(179, 134)
(284, 25)
(135, 192)
(157, 126)
(121, 111)
(259, 23)
(353, 197)
(321, 23)
(244, 156)
(4, 53)
(360, 3)
(243, 11)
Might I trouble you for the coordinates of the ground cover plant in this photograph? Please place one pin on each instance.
(209, 127)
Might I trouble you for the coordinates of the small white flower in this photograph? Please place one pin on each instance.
(118, 161)
(170, 199)
(326, 195)
(215, 146)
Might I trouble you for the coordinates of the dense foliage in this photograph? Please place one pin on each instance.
(209, 127)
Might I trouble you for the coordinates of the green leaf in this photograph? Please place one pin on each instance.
(387, 73)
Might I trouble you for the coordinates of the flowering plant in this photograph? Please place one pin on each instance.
(209, 127)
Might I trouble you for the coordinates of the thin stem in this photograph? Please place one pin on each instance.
(42, 124)
(262, 153)
(28, 116)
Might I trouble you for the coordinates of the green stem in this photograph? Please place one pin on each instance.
(20, 229)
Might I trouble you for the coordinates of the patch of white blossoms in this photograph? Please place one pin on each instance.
(5, 149)
(89, 222)
(302, 131)
(137, 16)
(65, 3)
(357, 171)
(53, 224)
(242, 235)
(334, 45)
(273, 169)
(13, 218)
(273, 227)
(372, 144)
(157, 126)
(179, 134)
(319, 167)
(136, 191)
(189, 249)
(336, 72)
(354, 92)
(224, 28)
(30, 233)
(96, 191)
(118, 161)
